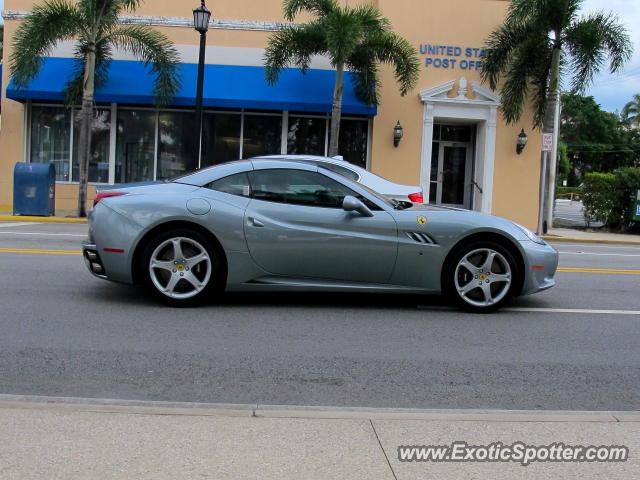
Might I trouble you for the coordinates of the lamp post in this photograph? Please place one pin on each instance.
(201, 18)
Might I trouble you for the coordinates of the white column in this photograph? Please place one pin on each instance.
(427, 145)
(113, 132)
(489, 160)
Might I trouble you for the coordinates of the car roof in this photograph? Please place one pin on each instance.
(335, 160)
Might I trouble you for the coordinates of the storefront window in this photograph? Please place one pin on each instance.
(99, 156)
(262, 135)
(177, 146)
(51, 138)
(353, 141)
(306, 136)
(135, 151)
(220, 138)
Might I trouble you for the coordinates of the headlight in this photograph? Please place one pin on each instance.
(532, 236)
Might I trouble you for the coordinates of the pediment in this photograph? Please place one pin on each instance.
(459, 91)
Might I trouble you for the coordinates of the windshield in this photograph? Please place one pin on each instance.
(386, 200)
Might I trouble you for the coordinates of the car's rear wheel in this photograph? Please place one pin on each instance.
(181, 267)
(481, 277)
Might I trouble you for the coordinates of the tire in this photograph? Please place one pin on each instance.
(182, 267)
(481, 277)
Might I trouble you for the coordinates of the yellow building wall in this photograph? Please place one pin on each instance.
(461, 23)
(464, 23)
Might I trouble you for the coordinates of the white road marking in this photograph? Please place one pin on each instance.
(571, 310)
(47, 234)
(18, 224)
(602, 254)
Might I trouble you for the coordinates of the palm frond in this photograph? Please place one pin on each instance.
(394, 50)
(592, 41)
(320, 8)
(293, 46)
(371, 19)
(366, 80)
(46, 25)
(344, 32)
(500, 47)
(157, 51)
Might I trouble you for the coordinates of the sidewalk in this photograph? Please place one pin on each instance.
(572, 235)
(61, 216)
(42, 437)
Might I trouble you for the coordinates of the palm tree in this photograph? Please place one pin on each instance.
(631, 111)
(538, 42)
(357, 38)
(94, 25)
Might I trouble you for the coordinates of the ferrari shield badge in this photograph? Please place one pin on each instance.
(422, 221)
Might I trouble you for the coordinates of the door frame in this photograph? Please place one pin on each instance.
(445, 104)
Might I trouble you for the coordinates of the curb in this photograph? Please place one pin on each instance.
(21, 218)
(139, 407)
(548, 238)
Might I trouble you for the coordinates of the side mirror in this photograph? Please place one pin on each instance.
(352, 204)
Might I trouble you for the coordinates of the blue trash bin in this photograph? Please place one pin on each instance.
(34, 189)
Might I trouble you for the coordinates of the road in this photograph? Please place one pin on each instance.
(66, 333)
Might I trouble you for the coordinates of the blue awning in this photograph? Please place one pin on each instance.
(227, 86)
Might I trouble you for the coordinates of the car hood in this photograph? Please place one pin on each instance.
(448, 223)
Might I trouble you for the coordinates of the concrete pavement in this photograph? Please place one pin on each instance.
(70, 439)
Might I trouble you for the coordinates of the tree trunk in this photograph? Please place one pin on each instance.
(336, 111)
(548, 127)
(84, 140)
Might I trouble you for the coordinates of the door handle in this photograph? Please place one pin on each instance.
(255, 223)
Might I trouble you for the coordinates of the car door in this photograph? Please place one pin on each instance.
(295, 226)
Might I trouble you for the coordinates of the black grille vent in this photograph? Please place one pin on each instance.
(420, 237)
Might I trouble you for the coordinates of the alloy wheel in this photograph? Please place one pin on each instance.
(483, 277)
(180, 268)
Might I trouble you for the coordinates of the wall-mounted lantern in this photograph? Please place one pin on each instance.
(522, 142)
(398, 133)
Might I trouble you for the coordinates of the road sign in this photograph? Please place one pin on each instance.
(636, 208)
(547, 142)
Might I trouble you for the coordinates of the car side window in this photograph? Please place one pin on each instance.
(300, 187)
(236, 184)
(345, 172)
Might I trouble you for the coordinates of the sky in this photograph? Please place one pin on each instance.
(612, 92)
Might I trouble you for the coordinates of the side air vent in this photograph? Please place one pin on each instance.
(421, 238)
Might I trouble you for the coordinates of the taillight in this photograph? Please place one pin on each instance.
(102, 195)
(416, 197)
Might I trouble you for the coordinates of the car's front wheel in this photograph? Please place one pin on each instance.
(181, 267)
(482, 277)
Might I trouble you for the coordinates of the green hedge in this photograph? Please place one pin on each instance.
(608, 196)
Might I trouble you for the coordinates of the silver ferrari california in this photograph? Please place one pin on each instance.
(273, 225)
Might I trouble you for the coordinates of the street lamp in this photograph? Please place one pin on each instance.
(201, 18)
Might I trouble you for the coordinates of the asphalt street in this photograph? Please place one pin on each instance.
(65, 333)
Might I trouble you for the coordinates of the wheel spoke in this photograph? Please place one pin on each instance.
(486, 290)
(177, 249)
(196, 259)
(488, 263)
(162, 264)
(496, 277)
(173, 281)
(464, 263)
(193, 280)
(468, 287)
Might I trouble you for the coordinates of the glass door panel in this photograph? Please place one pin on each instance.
(454, 167)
